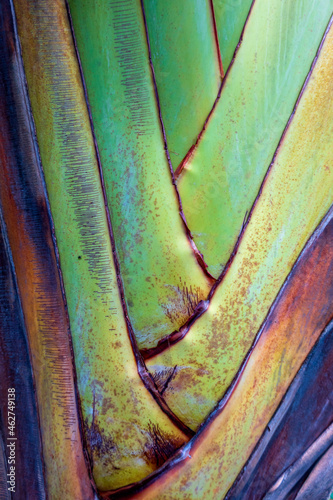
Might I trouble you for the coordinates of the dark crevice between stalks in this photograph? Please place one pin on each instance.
(184, 452)
(296, 471)
(198, 255)
(178, 335)
(25, 93)
(12, 271)
(217, 43)
(145, 376)
(192, 149)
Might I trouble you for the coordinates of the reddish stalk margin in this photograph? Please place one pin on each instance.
(190, 152)
(145, 376)
(184, 453)
(178, 335)
(198, 255)
(219, 56)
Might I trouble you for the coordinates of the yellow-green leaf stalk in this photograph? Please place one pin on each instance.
(122, 421)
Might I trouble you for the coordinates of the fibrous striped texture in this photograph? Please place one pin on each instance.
(136, 134)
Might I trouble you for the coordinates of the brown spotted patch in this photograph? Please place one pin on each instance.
(159, 446)
(181, 305)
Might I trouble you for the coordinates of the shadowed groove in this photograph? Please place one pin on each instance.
(216, 39)
(16, 373)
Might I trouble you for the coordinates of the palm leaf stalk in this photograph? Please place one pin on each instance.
(320, 481)
(16, 377)
(295, 472)
(103, 346)
(288, 434)
(257, 99)
(266, 253)
(184, 52)
(25, 210)
(134, 136)
(209, 464)
(150, 236)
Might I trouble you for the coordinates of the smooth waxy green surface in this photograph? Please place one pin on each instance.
(121, 418)
(222, 178)
(162, 279)
(230, 17)
(186, 65)
(297, 193)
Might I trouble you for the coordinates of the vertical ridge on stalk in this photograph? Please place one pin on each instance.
(161, 276)
(121, 418)
(25, 208)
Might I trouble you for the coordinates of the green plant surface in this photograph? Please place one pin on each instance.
(222, 177)
(296, 194)
(230, 16)
(162, 279)
(29, 228)
(185, 58)
(121, 419)
(209, 464)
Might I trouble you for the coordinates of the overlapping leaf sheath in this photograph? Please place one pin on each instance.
(319, 484)
(128, 435)
(230, 16)
(305, 412)
(295, 196)
(26, 213)
(285, 486)
(185, 58)
(224, 174)
(21, 442)
(208, 465)
(162, 279)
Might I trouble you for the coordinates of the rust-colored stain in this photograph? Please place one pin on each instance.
(208, 465)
